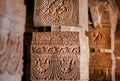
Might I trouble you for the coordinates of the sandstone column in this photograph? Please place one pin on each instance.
(12, 20)
(69, 15)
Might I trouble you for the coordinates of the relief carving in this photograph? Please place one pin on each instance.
(55, 49)
(56, 12)
(99, 38)
(55, 68)
(55, 61)
(10, 52)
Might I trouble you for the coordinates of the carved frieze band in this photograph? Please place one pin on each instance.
(56, 57)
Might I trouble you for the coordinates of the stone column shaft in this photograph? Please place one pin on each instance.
(12, 21)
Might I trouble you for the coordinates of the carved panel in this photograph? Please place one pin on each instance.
(10, 52)
(100, 67)
(56, 12)
(54, 56)
(100, 38)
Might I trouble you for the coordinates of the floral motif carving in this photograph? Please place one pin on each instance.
(55, 61)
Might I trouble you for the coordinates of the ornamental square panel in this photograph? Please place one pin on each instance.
(56, 12)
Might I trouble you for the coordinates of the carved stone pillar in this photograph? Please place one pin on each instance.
(55, 56)
(66, 15)
(12, 20)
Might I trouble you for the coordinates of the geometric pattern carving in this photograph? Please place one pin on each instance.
(99, 38)
(56, 12)
(55, 56)
(100, 67)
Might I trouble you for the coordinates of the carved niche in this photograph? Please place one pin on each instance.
(55, 56)
(56, 12)
(100, 38)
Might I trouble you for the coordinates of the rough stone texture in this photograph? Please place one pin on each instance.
(55, 56)
(114, 13)
(117, 52)
(14, 11)
(100, 16)
(117, 43)
(56, 12)
(99, 38)
(100, 67)
(117, 72)
(12, 21)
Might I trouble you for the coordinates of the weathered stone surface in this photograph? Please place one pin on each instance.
(117, 71)
(100, 67)
(12, 21)
(10, 52)
(117, 48)
(13, 10)
(56, 12)
(99, 38)
(117, 64)
(117, 43)
(54, 56)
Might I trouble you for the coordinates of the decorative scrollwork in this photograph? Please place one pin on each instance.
(55, 61)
